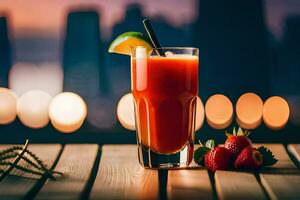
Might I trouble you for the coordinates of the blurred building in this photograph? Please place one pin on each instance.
(5, 52)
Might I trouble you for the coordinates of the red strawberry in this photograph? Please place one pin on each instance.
(218, 158)
(236, 142)
(249, 158)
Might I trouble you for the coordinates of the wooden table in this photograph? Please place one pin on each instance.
(113, 172)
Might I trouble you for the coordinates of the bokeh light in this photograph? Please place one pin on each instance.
(25, 76)
(33, 108)
(276, 112)
(67, 112)
(125, 112)
(249, 111)
(200, 114)
(8, 106)
(218, 111)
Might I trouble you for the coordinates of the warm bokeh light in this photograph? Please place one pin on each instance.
(33, 108)
(125, 112)
(24, 77)
(11, 92)
(200, 114)
(8, 106)
(67, 112)
(276, 112)
(249, 111)
(218, 111)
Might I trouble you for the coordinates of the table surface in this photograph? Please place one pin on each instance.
(113, 172)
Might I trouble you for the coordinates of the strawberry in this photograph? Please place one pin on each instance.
(212, 156)
(236, 142)
(218, 158)
(249, 158)
(252, 158)
(199, 154)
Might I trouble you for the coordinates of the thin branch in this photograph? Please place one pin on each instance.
(9, 150)
(6, 173)
(24, 169)
(33, 160)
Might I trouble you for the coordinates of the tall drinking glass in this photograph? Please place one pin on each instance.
(165, 90)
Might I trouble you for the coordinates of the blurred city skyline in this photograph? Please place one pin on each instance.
(31, 17)
(48, 18)
(37, 30)
(245, 46)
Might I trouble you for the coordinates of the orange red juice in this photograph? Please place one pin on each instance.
(165, 92)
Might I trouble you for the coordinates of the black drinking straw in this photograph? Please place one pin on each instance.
(153, 37)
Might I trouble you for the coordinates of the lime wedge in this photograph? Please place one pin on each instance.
(124, 42)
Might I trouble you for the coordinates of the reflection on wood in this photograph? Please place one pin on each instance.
(281, 181)
(281, 186)
(76, 163)
(189, 184)
(237, 185)
(295, 150)
(120, 176)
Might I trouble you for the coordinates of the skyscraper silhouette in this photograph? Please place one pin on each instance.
(84, 67)
(83, 60)
(232, 39)
(288, 68)
(5, 52)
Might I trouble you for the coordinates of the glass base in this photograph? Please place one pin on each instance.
(154, 160)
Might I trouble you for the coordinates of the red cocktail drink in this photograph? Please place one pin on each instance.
(165, 92)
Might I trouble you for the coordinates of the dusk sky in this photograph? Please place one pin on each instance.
(48, 16)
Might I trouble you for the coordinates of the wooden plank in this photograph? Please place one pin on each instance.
(189, 184)
(284, 165)
(281, 181)
(281, 186)
(237, 185)
(14, 187)
(76, 162)
(244, 185)
(120, 176)
(295, 150)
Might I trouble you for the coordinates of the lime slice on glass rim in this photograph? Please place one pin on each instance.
(126, 41)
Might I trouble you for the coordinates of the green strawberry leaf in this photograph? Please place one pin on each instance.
(199, 155)
(233, 131)
(240, 132)
(211, 144)
(269, 158)
(245, 133)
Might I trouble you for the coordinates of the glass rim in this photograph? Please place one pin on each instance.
(166, 48)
